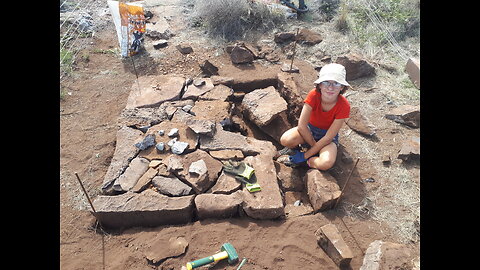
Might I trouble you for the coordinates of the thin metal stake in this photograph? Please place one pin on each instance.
(95, 214)
(344, 186)
(294, 50)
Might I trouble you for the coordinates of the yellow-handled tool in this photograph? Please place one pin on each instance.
(227, 251)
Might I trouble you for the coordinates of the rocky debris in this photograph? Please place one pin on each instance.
(406, 114)
(412, 68)
(145, 180)
(162, 43)
(153, 90)
(240, 54)
(283, 37)
(297, 204)
(161, 250)
(148, 208)
(410, 149)
(227, 154)
(331, 241)
(171, 186)
(322, 189)
(263, 105)
(185, 135)
(205, 127)
(125, 151)
(386, 255)
(184, 48)
(359, 123)
(194, 91)
(226, 184)
(208, 68)
(158, 29)
(224, 140)
(148, 141)
(179, 147)
(356, 66)
(141, 117)
(268, 203)
(198, 167)
(208, 205)
(219, 92)
(173, 132)
(308, 37)
(179, 166)
(137, 167)
(289, 179)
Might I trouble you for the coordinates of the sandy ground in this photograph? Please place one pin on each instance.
(97, 92)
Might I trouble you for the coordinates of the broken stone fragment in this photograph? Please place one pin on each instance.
(412, 68)
(145, 180)
(173, 132)
(205, 127)
(360, 123)
(355, 66)
(148, 141)
(179, 147)
(184, 48)
(171, 186)
(162, 43)
(322, 189)
(227, 154)
(208, 68)
(241, 55)
(160, 146)
(198, 167)
(410, 149)
(125, 151)
(138, 166)
(331, 241)
(226, 184)
(406, 114)
(308, 37)
(161, 250)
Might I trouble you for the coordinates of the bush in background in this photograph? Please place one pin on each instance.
(234, 19)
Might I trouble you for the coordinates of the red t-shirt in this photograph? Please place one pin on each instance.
(324, 120)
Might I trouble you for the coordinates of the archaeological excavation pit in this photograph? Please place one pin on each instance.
(175, 133)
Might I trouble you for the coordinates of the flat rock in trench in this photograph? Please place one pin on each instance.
(193, 92)
(212, 110)
(171, 186)
(267, 203)
(226, 184)
(226, 140)
(200, 183)
(161, 249)
(290, 179)
(145, 209)
(263, 105)
(125, 151)
(153, 90)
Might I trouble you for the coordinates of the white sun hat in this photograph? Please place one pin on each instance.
(334, 72)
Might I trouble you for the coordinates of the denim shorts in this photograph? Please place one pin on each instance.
(318, 133)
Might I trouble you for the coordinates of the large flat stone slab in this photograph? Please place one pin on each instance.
(263, 105)
(125, 151)
(146, 209)
(267, 203)
(153, 90)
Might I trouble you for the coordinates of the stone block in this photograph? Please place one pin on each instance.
(263, 105)
(218, 205)
(387, 255)
(267, 203)
(412, 68)
(138, 166)
(322, 189)
(331, 241)
(146, 209)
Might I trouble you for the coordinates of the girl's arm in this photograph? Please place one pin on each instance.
(302, 125)
(331, 132)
